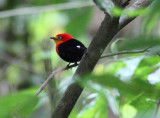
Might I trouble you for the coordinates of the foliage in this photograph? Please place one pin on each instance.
(132, 81)
(134, 92)
(126, 85)
(21, 104)
(26, 53)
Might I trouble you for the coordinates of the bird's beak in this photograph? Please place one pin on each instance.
(53, 38)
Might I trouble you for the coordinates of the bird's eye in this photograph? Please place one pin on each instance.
(59, 37)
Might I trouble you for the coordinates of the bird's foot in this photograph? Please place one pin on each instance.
(70, 66)
(75, 64)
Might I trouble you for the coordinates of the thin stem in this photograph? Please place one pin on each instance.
(52, 75)
(124, 52)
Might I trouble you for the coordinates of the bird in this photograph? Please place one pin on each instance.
(68, 48)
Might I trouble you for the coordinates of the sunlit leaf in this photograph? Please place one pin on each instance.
(153, 78)
(126, 73)
(128, 111)
(146, 66)
(128, 12)
(113, 68)
(131, 87)
(152, 18)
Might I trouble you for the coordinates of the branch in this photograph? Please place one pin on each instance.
(124, 52)
(124, 20)
(33, 10)
(156, 109)
(104, 35)
(52, 75)
(108, 29)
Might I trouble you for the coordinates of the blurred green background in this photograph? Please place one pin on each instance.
(122, 86)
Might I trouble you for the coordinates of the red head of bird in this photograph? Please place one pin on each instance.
(61, 38)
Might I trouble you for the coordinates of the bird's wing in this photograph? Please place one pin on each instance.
(72, 47)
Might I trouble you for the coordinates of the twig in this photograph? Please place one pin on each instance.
(156, 109)
(124, 52)
(33, 10)
(51, 76)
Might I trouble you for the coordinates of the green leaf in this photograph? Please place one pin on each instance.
(134, 86)
(150, 22)
(128, 12)
(137, 93)
(139, 106)
(139, 43)
(128, 111)
(20, 104)
(114, 46)
(113, 68)
(125, 73)
(146, 66)
(153, 77)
